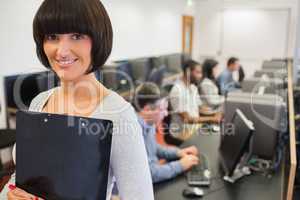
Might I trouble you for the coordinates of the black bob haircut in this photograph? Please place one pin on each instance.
(74, 16)
(207, 68)
(189, 65)
(232, 60)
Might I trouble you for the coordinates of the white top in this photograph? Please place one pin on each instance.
(210, 94)
(128, 153)
(183, 98)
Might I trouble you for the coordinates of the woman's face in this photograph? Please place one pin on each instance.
(68, 54)
(215, 71)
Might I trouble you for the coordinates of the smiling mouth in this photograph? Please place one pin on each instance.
(65, 63)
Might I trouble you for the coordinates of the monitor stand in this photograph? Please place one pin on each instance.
(238, 173)
(241, 169)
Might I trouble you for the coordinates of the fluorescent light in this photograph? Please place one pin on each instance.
(190, 2)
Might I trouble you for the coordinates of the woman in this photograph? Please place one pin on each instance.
(74, 38)
(208, 88)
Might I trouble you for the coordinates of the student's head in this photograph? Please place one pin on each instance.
(148, 102)
(192, 71)
(210, 69)
(233, 64)
(73, 37)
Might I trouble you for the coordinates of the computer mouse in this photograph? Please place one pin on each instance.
(192, 192)
(207, 173)
(216, 128)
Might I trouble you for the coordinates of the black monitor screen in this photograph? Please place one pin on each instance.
(21, 89)
(234, 142)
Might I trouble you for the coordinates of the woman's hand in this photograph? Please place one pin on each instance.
(19, 194)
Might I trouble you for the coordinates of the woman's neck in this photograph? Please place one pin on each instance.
(86, 87)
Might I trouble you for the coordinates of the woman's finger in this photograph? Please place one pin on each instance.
(22, 194)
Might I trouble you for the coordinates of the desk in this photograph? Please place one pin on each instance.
(248, 188)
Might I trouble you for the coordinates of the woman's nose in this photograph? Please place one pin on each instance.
(63, 48)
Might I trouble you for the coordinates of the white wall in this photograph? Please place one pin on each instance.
(210, 41)
(141, 28)
(297, 52)
(144, 27)
(17, 50)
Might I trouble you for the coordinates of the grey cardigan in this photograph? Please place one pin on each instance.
(209, 93)
(128, 164)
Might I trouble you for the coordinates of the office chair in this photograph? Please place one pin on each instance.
(168, 137)
(140, 69)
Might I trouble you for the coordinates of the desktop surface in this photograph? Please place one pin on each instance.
(255, 186)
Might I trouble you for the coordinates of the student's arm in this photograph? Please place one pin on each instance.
(168, 153)
(194, 120)
(222, 82)
(227, 85)
(166, 171)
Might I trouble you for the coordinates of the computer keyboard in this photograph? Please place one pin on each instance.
(199, 175)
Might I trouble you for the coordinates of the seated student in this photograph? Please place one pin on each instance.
(226, 80)
(208, 88)
(147, 103)
(186, 104)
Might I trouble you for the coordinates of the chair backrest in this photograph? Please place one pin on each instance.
(141, 68)
(174, 63)
(168, 137)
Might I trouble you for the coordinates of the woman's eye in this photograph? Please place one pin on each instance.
(51, 37)
(77, 36)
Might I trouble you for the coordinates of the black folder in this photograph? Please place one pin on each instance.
(63, 157)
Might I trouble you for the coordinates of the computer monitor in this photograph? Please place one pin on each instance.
(3, 109)
(47, 80)
(22, 88)
(9, 82)
(254, 96)
(281, 74)
(108, 77)
(124, 76)
(274, 65)
(267, 114)
(270, 85)
(235, 143)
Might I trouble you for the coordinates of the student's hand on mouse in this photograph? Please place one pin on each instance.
(187, 162)
(192, 150)
(19, 194)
